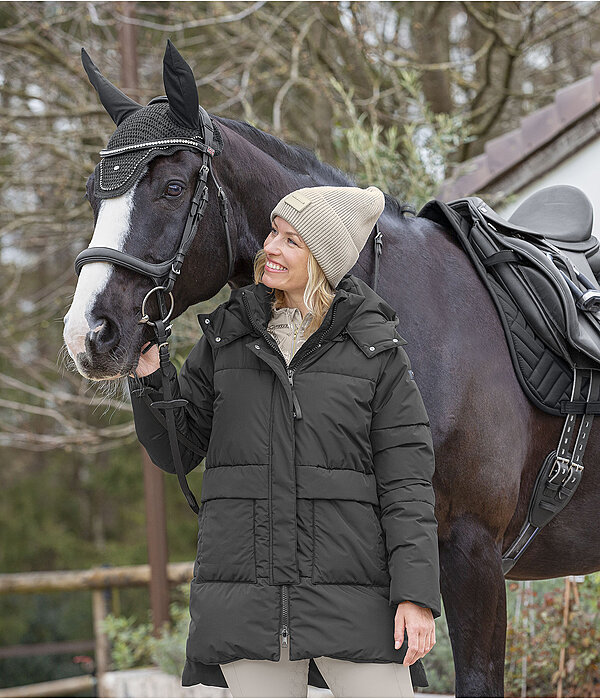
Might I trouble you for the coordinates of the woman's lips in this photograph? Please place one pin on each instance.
(272, 269)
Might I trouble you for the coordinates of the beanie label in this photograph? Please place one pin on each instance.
(297, 200)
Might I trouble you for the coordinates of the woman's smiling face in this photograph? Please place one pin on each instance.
(285, 248)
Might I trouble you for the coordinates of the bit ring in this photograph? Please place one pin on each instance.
(145, 318)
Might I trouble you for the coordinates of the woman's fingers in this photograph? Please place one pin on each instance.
(415, 642)
(420, 630)
(420, 643)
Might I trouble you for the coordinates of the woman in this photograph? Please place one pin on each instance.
(317, 535)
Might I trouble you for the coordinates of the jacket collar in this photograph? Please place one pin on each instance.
(359, 311)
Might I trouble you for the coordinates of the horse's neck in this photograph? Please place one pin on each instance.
(258, 180)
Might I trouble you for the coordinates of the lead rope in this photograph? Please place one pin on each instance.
(168, 404)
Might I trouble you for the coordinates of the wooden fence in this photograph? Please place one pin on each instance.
(99, 581)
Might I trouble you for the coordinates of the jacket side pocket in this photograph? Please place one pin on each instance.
(226, 548)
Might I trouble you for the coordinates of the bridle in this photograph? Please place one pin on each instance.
(164, 275)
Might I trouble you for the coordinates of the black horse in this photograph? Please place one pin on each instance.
(489, 439)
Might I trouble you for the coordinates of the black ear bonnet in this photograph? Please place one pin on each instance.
(147, 133)
(165, 125)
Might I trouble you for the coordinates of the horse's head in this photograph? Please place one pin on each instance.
(148, 194)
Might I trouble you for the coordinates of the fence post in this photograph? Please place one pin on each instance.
(563, 649)
(99, 612)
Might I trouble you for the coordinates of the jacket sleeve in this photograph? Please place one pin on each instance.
(193, 421)
(404, 463)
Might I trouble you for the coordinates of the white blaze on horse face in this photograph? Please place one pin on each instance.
(112, 229)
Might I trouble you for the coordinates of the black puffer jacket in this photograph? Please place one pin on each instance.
(317, 509)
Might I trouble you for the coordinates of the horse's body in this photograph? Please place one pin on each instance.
(490, 440)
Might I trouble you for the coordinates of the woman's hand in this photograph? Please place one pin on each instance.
(148, 363)
(420, 627)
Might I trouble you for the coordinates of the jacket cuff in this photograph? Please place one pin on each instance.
(154, 380)
(435, 607)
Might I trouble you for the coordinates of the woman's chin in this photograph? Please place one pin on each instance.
(273, 280)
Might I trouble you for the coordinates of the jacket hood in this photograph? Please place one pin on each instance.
(359, 311)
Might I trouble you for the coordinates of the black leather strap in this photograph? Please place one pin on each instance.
(560, 474)
(169, 406)
(142, 393)
(378, 246)
(502, 256)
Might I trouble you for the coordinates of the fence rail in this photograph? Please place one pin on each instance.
(98, 580)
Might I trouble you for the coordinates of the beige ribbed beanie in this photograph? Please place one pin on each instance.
(334, 222)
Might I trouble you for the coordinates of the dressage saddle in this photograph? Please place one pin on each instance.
(541, 267)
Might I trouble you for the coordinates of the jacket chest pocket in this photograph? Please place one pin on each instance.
(226, 541)
(348, 543)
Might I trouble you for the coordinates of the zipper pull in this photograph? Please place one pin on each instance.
(284, 636)
(297, 410)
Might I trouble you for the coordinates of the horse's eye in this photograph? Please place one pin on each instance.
(173, 189)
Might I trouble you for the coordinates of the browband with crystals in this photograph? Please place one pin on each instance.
(163, 142)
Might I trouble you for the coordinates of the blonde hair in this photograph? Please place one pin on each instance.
(318, 293)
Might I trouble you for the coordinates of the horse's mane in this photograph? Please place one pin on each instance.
(294, 157)
(298, 158)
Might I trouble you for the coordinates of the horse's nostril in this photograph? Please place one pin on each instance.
(103, 337)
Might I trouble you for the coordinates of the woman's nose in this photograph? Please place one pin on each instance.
(271, 246)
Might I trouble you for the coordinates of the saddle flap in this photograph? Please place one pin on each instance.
(547, 332)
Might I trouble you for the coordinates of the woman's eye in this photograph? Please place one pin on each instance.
(173, 189)
(274, 233)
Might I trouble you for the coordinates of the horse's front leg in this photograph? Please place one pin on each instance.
(474, 595)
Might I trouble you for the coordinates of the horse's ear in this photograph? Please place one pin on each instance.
(115, 102)
(180, 87)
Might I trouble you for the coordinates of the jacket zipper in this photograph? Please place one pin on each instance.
(290, 371)
(314, 347)
(284, 615)
(297, 409)
(297, 414)
(262, 332)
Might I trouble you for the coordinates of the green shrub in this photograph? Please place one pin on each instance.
(535, 637)
(409, 159)
(133, 644)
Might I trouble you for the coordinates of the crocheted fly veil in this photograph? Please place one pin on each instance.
(165, 125)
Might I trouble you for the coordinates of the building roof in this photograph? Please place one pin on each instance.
(499, 169)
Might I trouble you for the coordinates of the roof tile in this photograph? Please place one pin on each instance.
(572, 101)
(504, 151)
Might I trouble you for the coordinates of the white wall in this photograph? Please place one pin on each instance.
(580, 170)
